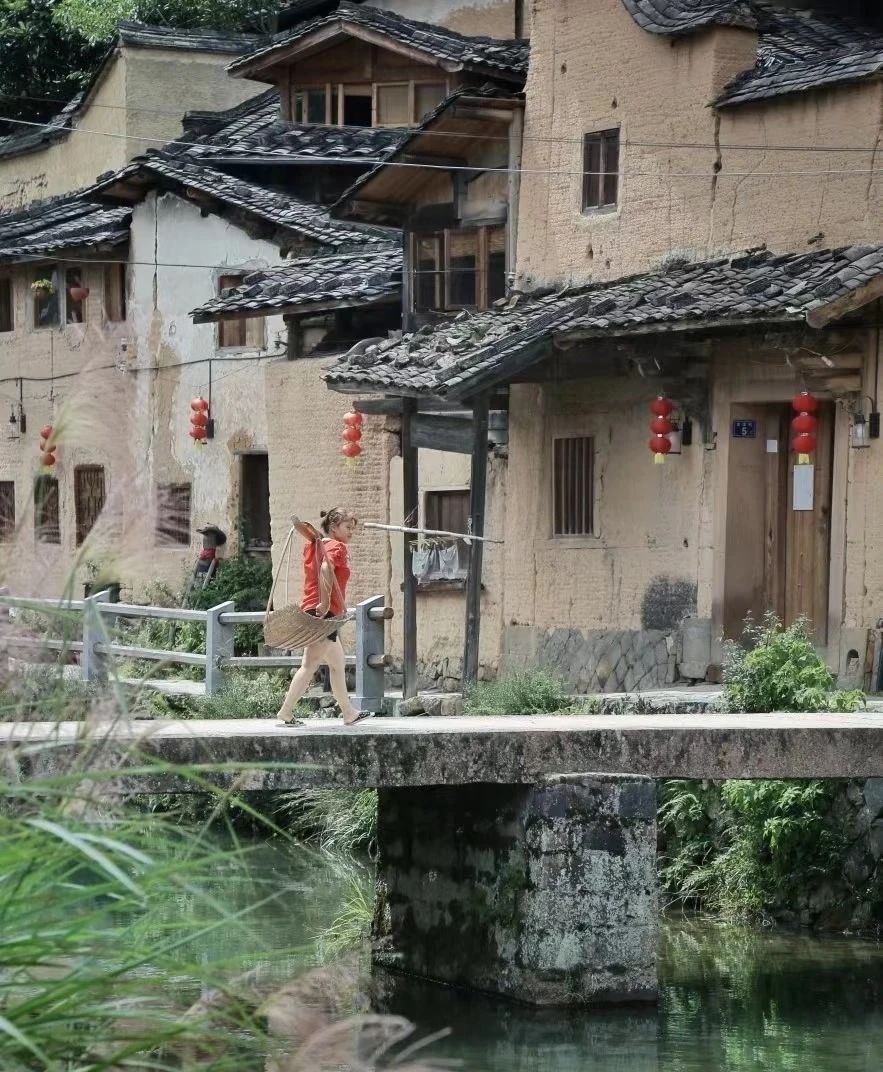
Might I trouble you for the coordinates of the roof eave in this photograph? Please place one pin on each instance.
(295, 310)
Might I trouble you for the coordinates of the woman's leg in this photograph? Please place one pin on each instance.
(336, 660)
(303, 678)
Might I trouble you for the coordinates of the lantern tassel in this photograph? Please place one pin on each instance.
(659, 459)
(803, 459)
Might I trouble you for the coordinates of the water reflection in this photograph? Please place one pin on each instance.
(732, 999)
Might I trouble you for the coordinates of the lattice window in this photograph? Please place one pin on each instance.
(573, 486)
(89, 496)
(173, 514)
(7, 509)
(47, 525)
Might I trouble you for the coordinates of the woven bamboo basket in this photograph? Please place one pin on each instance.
(289, 627)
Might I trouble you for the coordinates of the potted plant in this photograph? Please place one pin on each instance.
(78, 294)
(43, 286)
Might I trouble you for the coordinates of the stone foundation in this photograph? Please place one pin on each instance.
(544, 894)
(595, 660)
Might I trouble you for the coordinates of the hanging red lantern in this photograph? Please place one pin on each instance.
(353, 418)
(351, 435)
(351, 451)
(803, 444)
(661, 427)
(47, 446)
(199, 419)
(804, 403)
(46, 432)
(804, 422)
(660, 445)
(804, 425)
(48, 459)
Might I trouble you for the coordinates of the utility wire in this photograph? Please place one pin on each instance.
(628, 142)
(472, 169)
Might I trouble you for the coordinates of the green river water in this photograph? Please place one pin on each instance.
(731, 998)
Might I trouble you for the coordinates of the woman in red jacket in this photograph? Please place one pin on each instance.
(326, 599)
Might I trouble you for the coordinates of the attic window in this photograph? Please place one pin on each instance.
(379, 104)
(601, 170)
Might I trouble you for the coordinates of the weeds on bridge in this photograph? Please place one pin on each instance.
(527, 692)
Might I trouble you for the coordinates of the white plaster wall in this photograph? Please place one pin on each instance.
(177, 256)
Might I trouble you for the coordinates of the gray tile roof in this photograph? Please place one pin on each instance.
(686, 16)
(30, 139)
(487, 91)
(491, 56)
(198, 39)
(253, 130)
(67, 222)
(303, 218)
(309, 283)
(474, 349)
(798, 50)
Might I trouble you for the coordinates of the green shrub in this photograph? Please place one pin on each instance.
(782, 672)
(528, 692)
(341, 820)
(748, 847)
(247, 695)
(247, 582)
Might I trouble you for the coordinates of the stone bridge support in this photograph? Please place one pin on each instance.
(542, 893)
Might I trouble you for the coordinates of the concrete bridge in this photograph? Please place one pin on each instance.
(517, 854)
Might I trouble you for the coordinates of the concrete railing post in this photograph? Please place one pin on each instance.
(218, 646)
(92, 666)
(4, 631)
(370, 647)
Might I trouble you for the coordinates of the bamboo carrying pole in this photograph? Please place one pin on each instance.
(466, 537)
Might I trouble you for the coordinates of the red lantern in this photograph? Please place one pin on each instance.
(661, 407)
(661, 426)
(804, 422)
(805, 403)
(351, 435)
(803, 444)
(47, 446)
(46, 431)
(353, 419)
(48, 459)
(660, 445)
(351, 450)
(199, 418)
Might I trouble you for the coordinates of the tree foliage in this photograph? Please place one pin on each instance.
(50, 48)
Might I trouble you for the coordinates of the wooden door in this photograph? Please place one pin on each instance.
(776, 558)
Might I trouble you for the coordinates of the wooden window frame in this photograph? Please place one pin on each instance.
(7, 510)
(573, 517)
(85, 523)
(594, 184)
(335, 93)
(47, 533)
(49, 271)
(7, 283)
(165, 535)
(443, 279)
(249, 542)
(252, 330)
(116, 283)
(463, 550)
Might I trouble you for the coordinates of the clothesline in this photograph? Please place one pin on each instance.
(466, 537)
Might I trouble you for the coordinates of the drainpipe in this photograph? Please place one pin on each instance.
(516, 131)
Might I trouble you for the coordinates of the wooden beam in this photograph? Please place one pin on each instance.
(410, 504)
(477, 500)
(452, 432)
(855, 299)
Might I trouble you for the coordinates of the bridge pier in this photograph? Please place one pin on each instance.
(542, 893)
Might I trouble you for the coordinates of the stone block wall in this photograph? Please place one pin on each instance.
(544, 894)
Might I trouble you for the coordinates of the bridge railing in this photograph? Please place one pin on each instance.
(97, 646)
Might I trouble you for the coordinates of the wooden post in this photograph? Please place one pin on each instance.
(410, 507)
(477, 497)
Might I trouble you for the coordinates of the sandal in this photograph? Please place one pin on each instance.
(359, 717)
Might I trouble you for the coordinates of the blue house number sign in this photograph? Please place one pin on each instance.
(744, 429)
